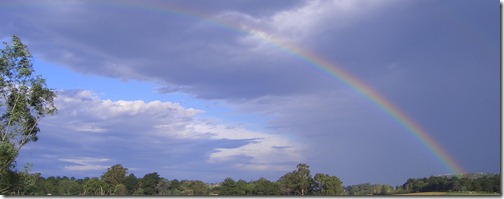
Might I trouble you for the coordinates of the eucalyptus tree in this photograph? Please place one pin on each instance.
(296, 182)
(114, 176)
(24, 100)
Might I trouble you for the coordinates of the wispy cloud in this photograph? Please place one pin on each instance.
(85, 163)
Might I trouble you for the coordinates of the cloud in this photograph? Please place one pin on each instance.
(191, 56)
(85, 164)
(304, 22)
(137, 133)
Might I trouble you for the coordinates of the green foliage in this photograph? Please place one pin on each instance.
(477, 183)
(296, 182)
(265, 187)
(115, 175)
(199, 187)
(95, 186)
(228, 188)
(188, 188)
(360, 189)
(120, 190)
(149, 183)
(139, 192)
(25, 183)
(68, 187)
(131, 183)
(327, 185)
(24, 100)
(8, 154)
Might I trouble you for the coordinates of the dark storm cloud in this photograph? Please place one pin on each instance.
(134, 44)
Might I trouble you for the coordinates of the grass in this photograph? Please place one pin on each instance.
(473, 193)
(468, 193)
(424, 194)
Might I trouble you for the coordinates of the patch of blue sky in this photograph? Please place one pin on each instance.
(63, 78)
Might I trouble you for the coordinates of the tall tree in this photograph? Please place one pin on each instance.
(24, 100)
(304, 178)
(296, 182)
(115, 175)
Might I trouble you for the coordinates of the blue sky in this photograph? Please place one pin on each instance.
(175, 93)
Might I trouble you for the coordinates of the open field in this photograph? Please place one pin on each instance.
(424, 194)
(449, 194)
(472, 194)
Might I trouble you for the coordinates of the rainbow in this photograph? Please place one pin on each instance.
(330, 69)
(313, 60)
(366, 91)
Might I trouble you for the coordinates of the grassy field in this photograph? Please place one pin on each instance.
(424, 194)
(450, 194)
(472, 194)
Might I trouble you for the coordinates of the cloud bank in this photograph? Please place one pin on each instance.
(89, 132)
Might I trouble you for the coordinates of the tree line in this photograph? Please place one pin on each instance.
(490, 183)
(118, 181)
(475, 182)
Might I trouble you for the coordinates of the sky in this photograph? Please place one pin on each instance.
(206, 90)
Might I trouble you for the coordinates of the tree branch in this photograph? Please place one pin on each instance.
(10, 118)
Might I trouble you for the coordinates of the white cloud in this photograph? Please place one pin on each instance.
(103, 124)
(85, 163)
(264, 149)
(264, 167)
(300, 24)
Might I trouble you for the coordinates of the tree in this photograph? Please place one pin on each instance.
(328, 185)
(360, 189)
(287, 184)
(115, 175)
(120, 190)
(199, 188)
(131, 183)
(68, 187)
(296, 182)
(265, 187)
(149, 183)
(139, 192)
(386, 189)
(163, 187)
(94, 186)
(24, 100)
(304, 178)
(228, 187)
(175, 187)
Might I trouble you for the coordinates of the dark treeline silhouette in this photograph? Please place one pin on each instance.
(117, 181)
(479, 183)
(489, 183)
